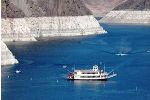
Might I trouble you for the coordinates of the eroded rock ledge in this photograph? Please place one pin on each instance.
(30, 27)
(127, 17)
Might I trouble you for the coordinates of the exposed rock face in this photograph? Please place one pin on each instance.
(39, 8)
(102, 7)
(134, 5)
(49, 26)
(127, 17)
(15, 30)
(10, 10)
(7, 57)
(130, 12)
(34, 18)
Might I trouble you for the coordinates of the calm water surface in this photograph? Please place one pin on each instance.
(42, 76)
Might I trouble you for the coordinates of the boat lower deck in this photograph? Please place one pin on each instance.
(98, 79)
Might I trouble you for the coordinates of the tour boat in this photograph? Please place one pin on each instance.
(90, 74)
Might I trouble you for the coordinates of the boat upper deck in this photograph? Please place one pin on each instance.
(90, 70)
(95, 70)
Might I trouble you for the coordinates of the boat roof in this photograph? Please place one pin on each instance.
(95, 69)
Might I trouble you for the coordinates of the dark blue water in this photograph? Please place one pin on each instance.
(42, 76)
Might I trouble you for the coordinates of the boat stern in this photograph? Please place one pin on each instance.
(70, 76)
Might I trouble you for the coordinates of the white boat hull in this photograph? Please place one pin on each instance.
(91, 74)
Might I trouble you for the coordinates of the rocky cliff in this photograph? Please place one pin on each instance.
(130, 12)
(35, 18)
(40, 8)
(7, 57)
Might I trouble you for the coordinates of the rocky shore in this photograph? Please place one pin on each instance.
(127, 17)
(7, 57)
(27, 29)
(129, 12)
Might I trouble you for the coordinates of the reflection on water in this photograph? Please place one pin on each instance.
(88, 82)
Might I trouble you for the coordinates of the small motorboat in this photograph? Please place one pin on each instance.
(17, 71)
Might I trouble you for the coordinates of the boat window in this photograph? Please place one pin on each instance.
(89, 72)
(90, 76)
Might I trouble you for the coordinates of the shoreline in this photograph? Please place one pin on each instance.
(124, 24)
(19, 29)
(127, 17)
(55, 38)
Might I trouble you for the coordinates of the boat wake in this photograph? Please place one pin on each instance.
(121, 54)
(127, 53)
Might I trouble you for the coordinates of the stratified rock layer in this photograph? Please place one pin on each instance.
(15, 30)
(7, 57)
(127, 17)
(23, 20)
(50, 26)
(130, 12)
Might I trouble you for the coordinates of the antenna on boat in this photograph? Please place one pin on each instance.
(104, 67)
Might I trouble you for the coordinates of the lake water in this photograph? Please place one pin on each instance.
(43, 77)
